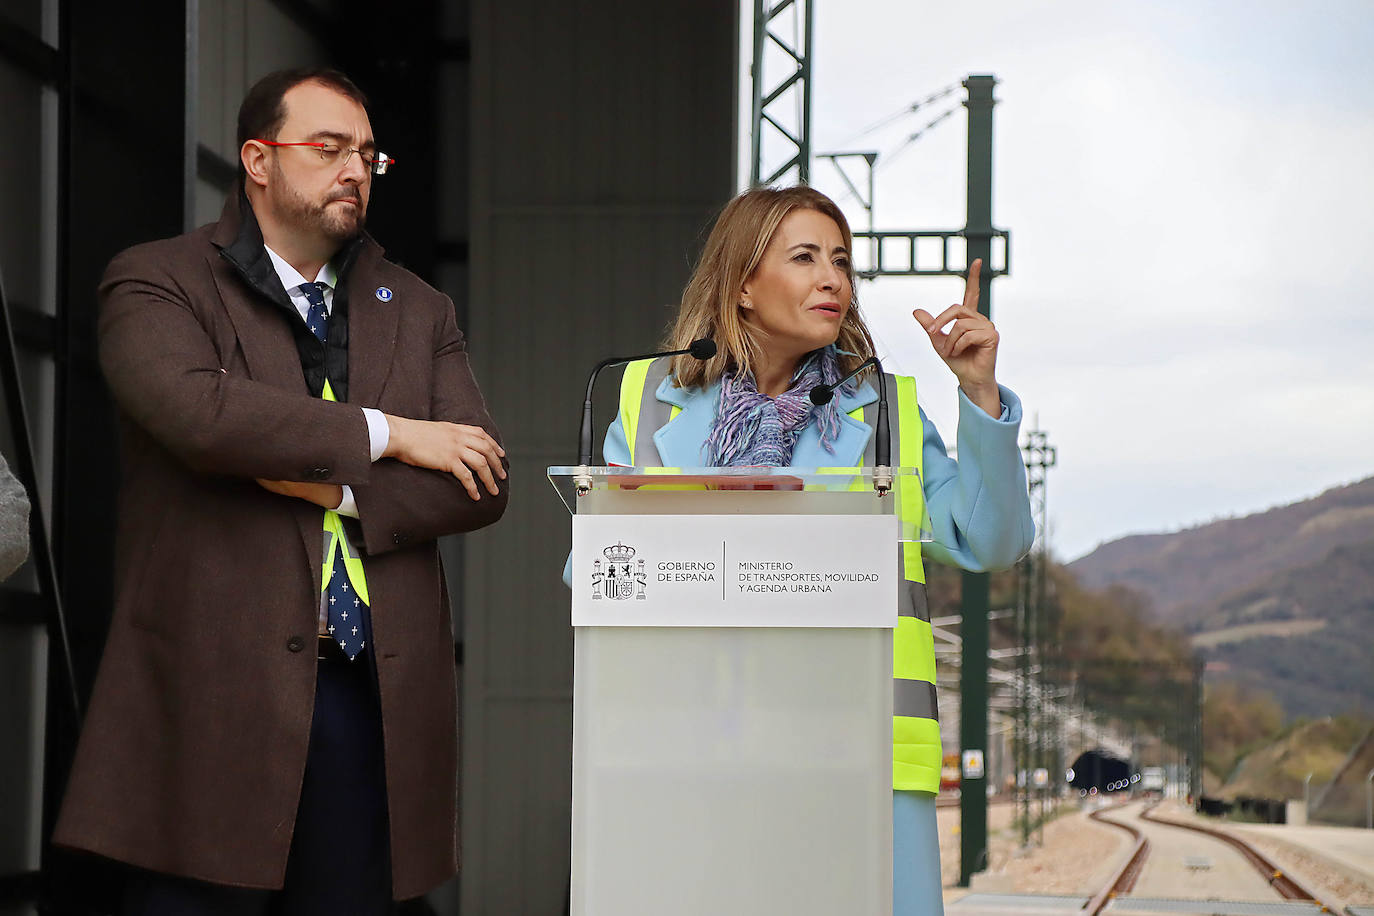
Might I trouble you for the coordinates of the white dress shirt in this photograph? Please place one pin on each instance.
(378, 432)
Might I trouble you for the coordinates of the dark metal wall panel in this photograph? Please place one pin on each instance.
(120, 94)
(398, 69)
(30, 70)
(21, 99)
(112, 124)
(238, 42)
(630, 105)
(28, 237)
(603, 145)
(23, 685)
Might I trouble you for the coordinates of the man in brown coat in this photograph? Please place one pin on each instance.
(241, 749)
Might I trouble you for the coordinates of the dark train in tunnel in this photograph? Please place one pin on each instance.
(1101, 770)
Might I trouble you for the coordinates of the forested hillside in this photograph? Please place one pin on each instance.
(1183, 573)
(1296, 645)
(1281, 602)
(1305, 635)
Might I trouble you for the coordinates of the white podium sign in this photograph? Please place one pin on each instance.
(734, 571)
(732, 690)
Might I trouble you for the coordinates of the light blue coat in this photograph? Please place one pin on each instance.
(979, 508)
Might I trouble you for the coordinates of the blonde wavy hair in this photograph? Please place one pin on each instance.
(711, 302)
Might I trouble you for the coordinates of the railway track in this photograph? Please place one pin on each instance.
(1210, 880)
(1123, 880)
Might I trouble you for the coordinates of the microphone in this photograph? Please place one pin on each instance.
(701, 348)
(821, 394)
(882, 432)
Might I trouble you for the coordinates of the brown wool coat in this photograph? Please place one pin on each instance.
(191, 758)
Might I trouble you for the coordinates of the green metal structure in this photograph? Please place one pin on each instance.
(978, 235)
(1036, 703)
(771, 92)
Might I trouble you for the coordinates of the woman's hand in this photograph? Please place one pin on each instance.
(970, 346)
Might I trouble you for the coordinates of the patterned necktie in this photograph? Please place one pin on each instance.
(347, 602)
(317, 317)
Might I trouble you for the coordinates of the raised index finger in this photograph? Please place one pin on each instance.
(971, 287)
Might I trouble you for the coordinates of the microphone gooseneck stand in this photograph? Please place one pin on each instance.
(701, 348)
(882, 435)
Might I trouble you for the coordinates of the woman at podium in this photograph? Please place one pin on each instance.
(774, 288)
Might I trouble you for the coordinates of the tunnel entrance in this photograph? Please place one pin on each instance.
(1100, 770)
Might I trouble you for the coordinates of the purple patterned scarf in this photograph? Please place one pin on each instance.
(754, 430)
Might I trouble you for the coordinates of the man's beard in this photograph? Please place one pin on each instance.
(338, 224)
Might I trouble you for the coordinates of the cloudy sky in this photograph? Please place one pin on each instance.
(1188, 187)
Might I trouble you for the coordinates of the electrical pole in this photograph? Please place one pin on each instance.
(973, 672)
(1024, 610)
(1195, 774)
(1038, 456)
(978, 235)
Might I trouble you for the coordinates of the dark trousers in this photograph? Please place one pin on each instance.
(340, 852)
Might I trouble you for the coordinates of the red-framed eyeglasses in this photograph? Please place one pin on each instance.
(377, 162)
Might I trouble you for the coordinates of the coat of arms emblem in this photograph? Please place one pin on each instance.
(622, 576)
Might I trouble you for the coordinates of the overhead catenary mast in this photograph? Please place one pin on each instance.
(773, 87)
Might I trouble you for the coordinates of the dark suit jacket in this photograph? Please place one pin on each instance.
(191, 757)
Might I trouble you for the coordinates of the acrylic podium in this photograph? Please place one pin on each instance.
(732, 688)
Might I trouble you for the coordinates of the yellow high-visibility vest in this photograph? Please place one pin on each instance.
(916, 750)
(336, 543)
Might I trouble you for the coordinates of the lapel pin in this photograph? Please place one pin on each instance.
(384, 294)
